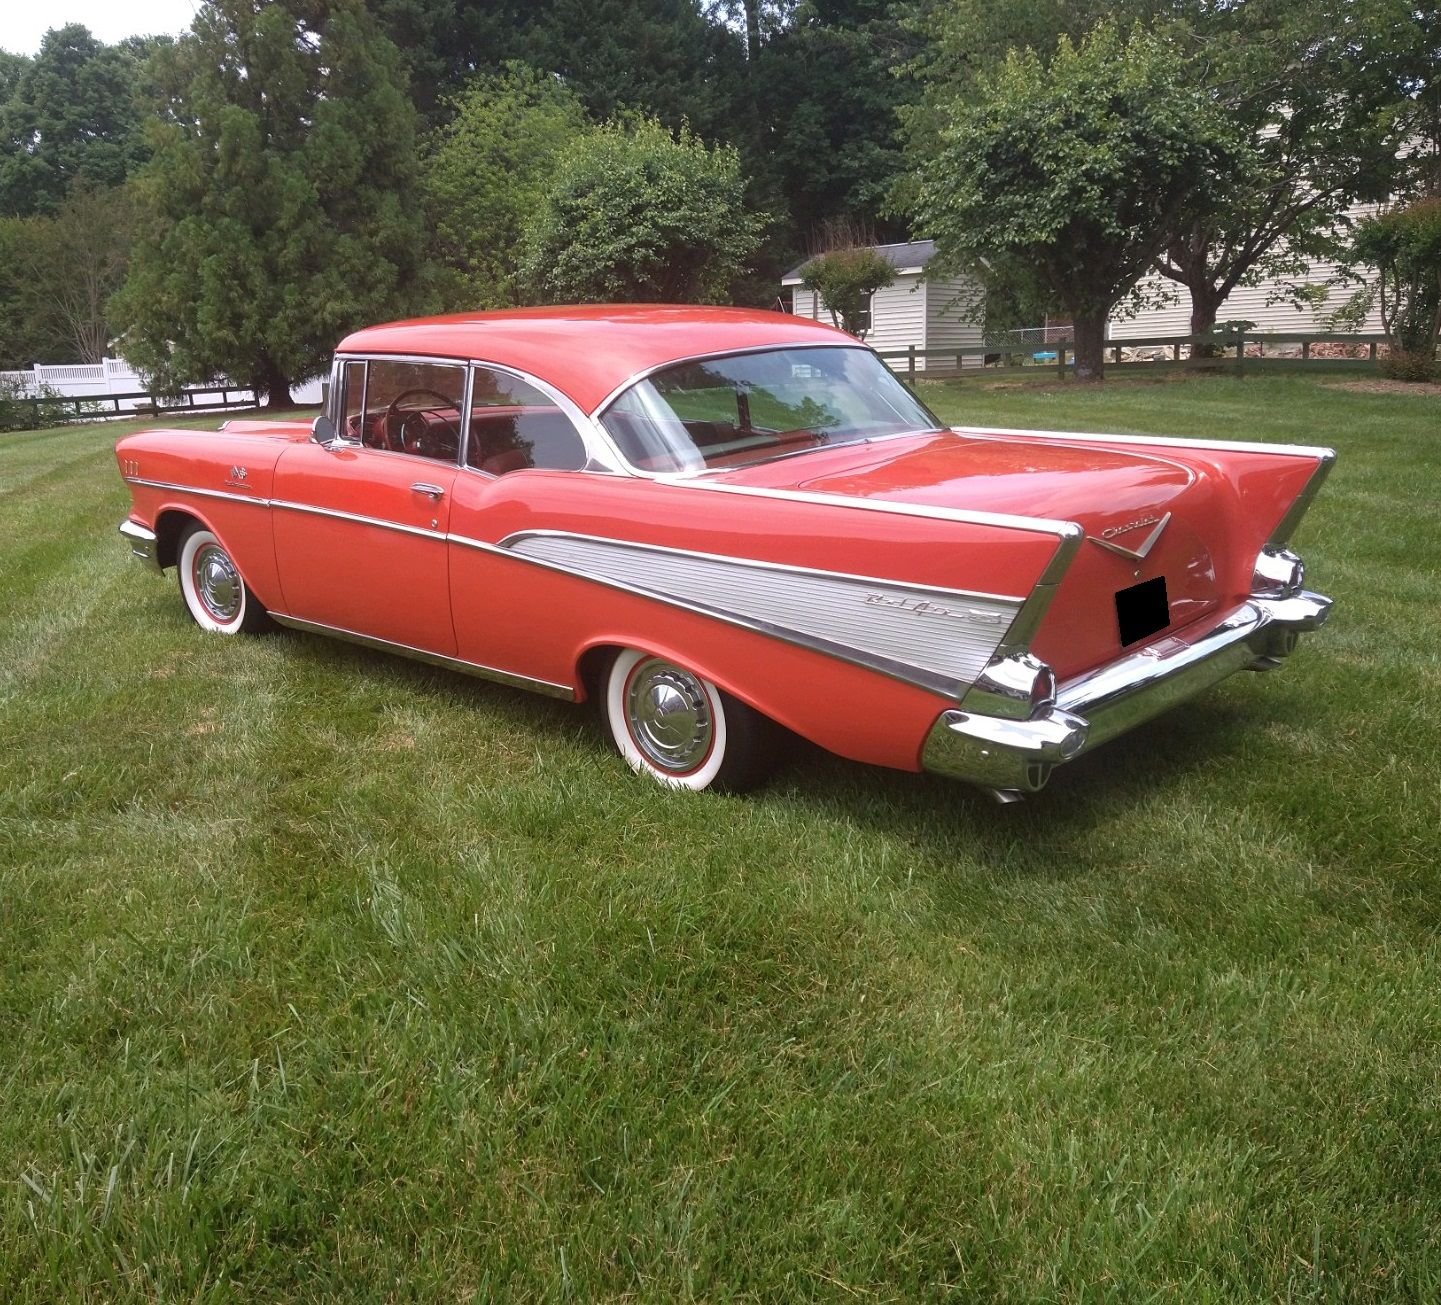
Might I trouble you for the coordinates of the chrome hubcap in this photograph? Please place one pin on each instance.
(669, 716)
(217, 583)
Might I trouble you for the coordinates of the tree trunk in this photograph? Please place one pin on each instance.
(276, 386)
(1205, 304)
(1090, 346)
(753, 30)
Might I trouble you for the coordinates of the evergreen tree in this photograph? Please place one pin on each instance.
(283, 205)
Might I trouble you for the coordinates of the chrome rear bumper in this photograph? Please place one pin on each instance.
(1015, 757)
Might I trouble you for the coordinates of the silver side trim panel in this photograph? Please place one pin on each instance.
(511, 541)
(510, 678)
(937, 639)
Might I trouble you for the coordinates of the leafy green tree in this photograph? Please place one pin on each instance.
(28, 333)
(846, 279)
(1404, 245)
(636, 213)
(1080, 169)
(487, 172)
(283, 205)
(71, 118)
(1316, 87)
(66, 267)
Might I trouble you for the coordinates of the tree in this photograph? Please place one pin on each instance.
(71, 118)
(1079, 169)
(1404, 245)
(487, 172)
(72, 263)
(636, 213)
(846, 279)
(282, 207)
(1316, 87)
(12, 66)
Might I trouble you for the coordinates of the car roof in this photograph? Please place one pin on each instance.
(588, 352)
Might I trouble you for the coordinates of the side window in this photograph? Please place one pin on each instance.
(354, 399)
(513, 426)
(413, 407)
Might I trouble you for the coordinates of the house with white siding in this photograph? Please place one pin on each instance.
(912, 311)
(1267, 304)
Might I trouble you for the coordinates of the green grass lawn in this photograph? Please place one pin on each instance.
(325, 973)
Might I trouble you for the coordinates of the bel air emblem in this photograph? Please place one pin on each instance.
(1138, 554)
(925, 607)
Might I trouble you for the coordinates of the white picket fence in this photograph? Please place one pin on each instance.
(116, 376)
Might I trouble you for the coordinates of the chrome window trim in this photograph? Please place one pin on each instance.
(942, 685)
(511, 540)
(548, 687)
(646, 373)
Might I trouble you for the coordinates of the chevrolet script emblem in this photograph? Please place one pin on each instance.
(1107, 539)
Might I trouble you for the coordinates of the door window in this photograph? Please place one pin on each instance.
(414, 408)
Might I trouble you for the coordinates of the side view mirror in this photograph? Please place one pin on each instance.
(322, 430)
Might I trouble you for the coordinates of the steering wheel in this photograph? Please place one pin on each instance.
(412, 433)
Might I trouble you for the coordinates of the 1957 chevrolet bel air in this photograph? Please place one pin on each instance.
(716, 522)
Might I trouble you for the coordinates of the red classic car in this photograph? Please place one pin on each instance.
(716, 522)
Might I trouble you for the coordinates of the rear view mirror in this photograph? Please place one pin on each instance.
(322, 430)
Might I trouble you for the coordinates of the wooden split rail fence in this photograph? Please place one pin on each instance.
(990, 359)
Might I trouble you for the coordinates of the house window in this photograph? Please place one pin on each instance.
(863, 318)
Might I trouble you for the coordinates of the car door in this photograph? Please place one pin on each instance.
(508, 613)
(361, 522)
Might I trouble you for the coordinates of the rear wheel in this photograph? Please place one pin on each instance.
(681, 730)
(215, 595)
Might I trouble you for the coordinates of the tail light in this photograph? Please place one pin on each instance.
(1013, 687)
(1279, 573)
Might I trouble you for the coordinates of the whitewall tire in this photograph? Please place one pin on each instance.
(215, 595)
(680, 729)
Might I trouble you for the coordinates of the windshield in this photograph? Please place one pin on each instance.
(746, 408)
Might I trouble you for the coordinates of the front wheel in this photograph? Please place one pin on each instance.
(681, 730)
(215, 595)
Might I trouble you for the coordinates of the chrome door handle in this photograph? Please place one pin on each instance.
(433, 492)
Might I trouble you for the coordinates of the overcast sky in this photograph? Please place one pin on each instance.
(24, 22)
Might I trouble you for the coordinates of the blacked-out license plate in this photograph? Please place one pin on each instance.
(1142, 609)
